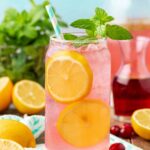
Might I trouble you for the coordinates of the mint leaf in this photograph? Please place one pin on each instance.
(11, 14)
(68, 36)
(90, 33)
(28, 31)
(109, 19)
(83, 24)
(101, 13)
(116, 32)
(101, 16)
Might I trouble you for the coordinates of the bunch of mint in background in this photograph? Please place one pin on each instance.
(23, 40)
(98, 27)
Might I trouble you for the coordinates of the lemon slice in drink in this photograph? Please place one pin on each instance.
(28, 97)
(68, 76)
(84, 123)
(9, 145)
(141, 123)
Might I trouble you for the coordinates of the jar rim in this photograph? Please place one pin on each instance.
(58, 40)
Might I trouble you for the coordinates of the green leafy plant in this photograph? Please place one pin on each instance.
(98, 27)
(23, 40)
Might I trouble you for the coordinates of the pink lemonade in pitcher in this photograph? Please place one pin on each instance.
(77, 95)
(131, 85)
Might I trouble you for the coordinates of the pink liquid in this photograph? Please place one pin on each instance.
(99, 60)
(116, 57)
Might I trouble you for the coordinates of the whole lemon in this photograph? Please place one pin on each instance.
(18, 132)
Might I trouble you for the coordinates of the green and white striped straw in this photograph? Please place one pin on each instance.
(54, 21)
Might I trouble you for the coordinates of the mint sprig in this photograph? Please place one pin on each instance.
(23, 38)
(99, 26)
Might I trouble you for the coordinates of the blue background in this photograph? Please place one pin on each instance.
(68, 9)
(75, 9)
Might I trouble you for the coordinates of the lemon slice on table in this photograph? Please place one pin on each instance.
(84, 123)
(16, 131)
(6, 87)
(141, 123)
(68, 76)
(28, 97)
(9, 145)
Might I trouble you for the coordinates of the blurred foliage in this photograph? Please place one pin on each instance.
(23, 40)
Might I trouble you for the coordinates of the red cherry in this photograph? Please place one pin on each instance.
(126, 131)
(115, 130)
(117, 146)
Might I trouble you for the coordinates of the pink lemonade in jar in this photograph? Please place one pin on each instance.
(77, 83)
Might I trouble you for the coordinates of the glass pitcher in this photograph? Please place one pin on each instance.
(133, 14)
(131, 85)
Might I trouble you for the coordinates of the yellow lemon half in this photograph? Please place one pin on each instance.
(68, 76)
(28, 97)
(141, 123)
(9, 145)
(6, 87)
(16, 131)
(84, 123)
